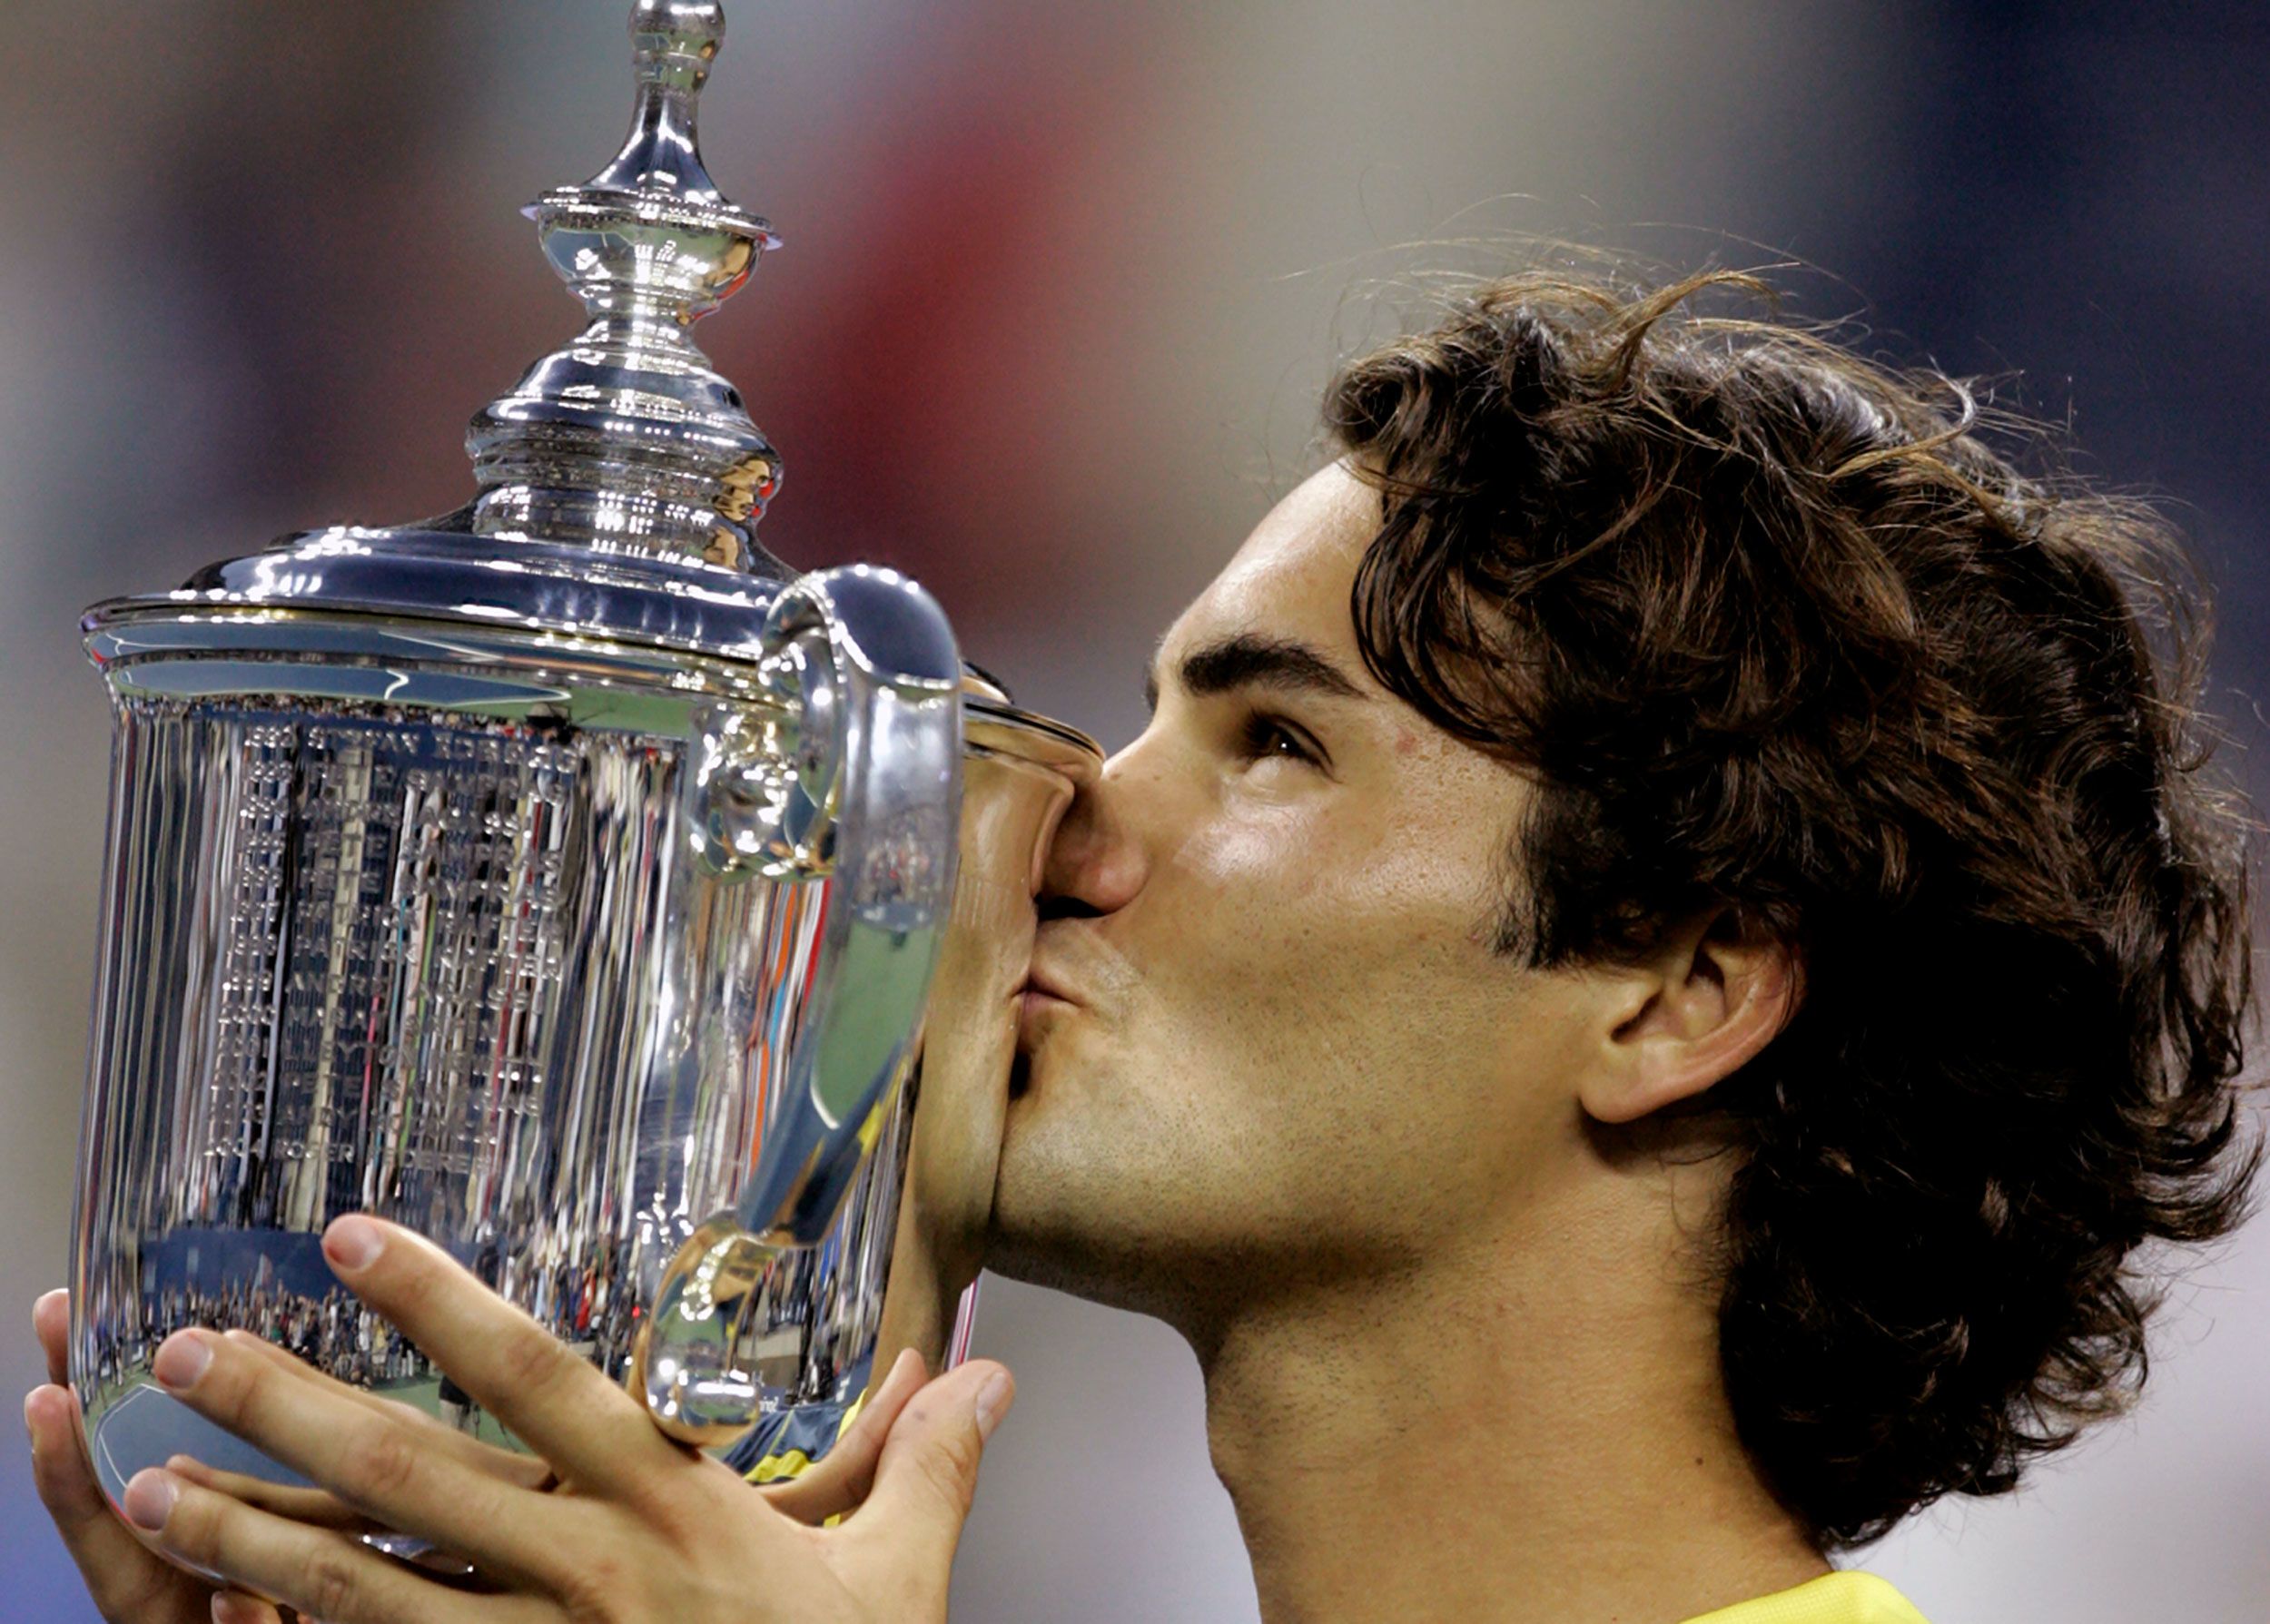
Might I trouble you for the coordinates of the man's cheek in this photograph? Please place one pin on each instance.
(1266, 864)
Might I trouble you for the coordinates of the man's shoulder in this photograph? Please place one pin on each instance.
(1845, 1597)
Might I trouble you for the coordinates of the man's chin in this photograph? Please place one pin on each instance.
(1077, 1266)
(1057, 1214)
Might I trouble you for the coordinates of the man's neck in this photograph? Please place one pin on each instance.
(1524, 1433)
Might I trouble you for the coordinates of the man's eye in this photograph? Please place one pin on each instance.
(1264, 736)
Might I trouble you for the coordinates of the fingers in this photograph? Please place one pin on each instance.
(376, 1463)
(927, 1478)
(527, 1471)
(557, 1402)
(125, 1578)
(51, 1317)
(234, 1606)
(318, 1508)
(322, 1573)
(841, 1478)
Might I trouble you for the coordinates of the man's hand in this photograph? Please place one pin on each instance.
(616, 1523)
(130, 1583)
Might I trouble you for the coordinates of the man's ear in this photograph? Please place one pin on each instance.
(1712, 994)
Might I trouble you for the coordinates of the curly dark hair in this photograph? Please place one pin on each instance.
(1777, 630)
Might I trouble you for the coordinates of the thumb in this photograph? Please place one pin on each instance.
(927, 1474)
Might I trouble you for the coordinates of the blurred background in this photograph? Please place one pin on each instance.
(1061, 287)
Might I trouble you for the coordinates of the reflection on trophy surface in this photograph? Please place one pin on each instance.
(569, 879)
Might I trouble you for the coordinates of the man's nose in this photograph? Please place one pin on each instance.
(1096, 864)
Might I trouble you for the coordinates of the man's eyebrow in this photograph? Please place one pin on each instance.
(1253, 660)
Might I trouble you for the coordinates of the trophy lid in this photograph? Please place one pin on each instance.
(625, 438)
(621, 479)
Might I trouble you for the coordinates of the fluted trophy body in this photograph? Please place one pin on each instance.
(567, 880)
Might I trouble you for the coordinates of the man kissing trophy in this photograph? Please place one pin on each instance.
(1664, 951)
(637, 923)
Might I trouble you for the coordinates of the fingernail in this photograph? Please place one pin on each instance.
(182, 1359)
(353, 1242)
(30, 1431)
(992, 1403)
(149, 1499)
(231, 1607)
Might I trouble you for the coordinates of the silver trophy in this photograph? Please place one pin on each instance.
(569, 879)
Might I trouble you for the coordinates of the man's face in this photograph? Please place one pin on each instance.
(1269, 1042)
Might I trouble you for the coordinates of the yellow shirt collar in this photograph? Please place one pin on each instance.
(1846, 1598)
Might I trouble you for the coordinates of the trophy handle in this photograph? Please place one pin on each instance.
(852, 778)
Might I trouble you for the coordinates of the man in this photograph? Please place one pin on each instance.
(1665, 943)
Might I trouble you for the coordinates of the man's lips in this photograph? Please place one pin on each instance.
(1041, 999)
(1040, 982)
(1035, 1004)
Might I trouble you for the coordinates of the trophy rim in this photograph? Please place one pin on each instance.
(518, 600)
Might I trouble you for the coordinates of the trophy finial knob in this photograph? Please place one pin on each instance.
(687, 25)
(673, 42)
(691, 31)
(627, 437)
